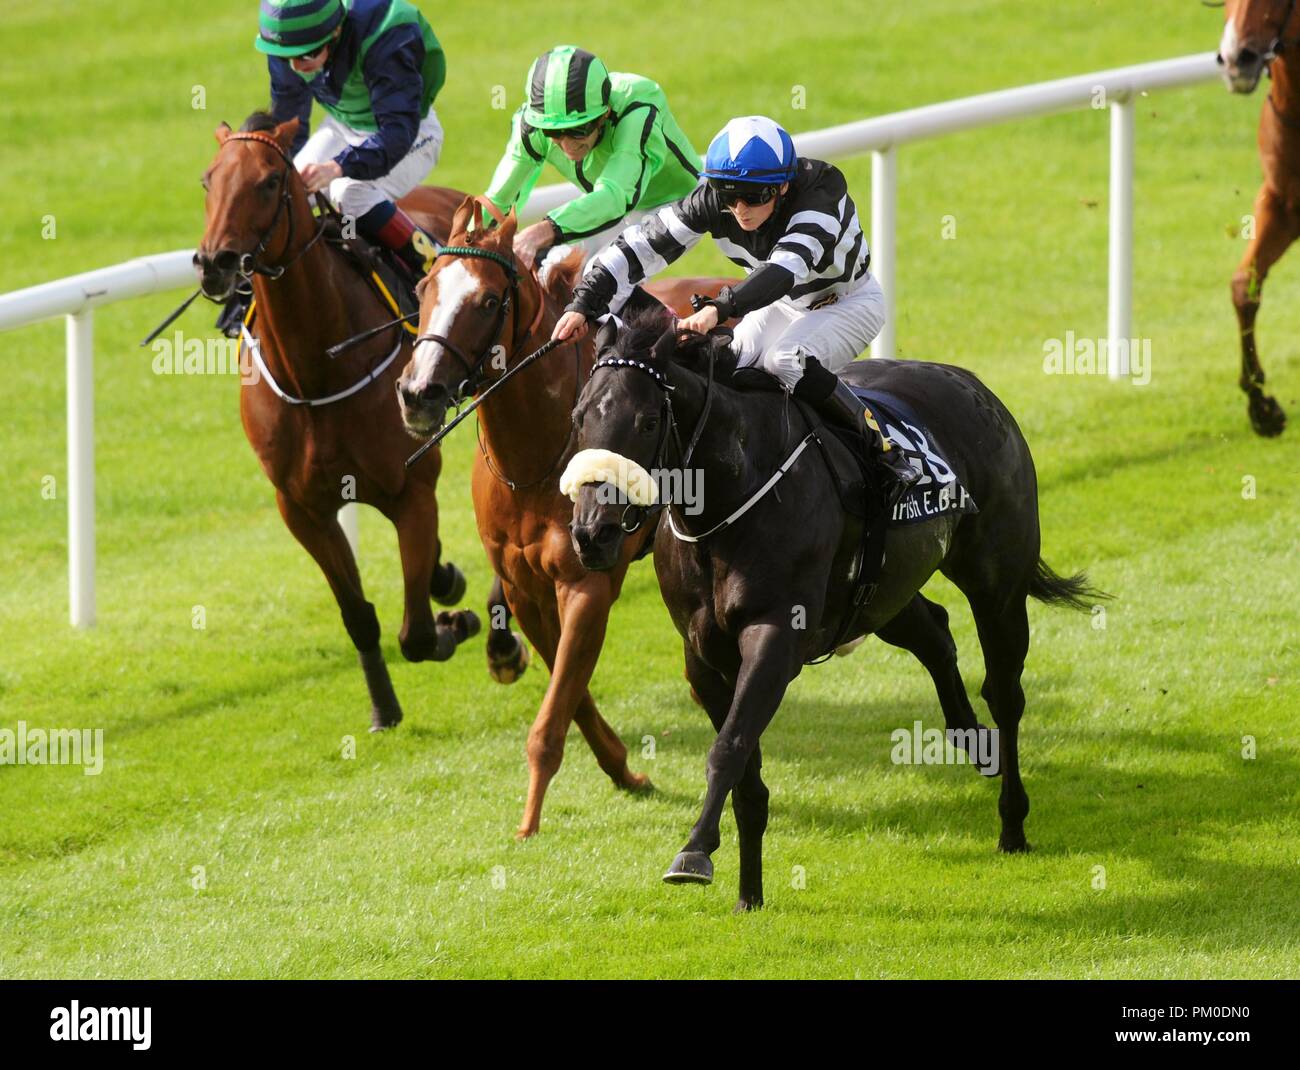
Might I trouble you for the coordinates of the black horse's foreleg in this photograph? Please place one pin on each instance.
(749, 799)
(922, 630)
(769, 661)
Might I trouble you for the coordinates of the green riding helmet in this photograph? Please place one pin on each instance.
(566, 86)
(296, 27)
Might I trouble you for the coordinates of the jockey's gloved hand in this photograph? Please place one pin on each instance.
(725, 303)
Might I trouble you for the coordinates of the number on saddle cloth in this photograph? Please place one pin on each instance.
(426, 248)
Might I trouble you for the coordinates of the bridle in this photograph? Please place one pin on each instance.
(509, 300)
(474, 378)
(635, 516)
(1279, 42)
(250, 263)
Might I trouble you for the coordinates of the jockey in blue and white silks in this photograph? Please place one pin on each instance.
(809, 304)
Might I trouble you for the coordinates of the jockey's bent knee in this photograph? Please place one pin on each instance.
(355, 198)
(787, 364)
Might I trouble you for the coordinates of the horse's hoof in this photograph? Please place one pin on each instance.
(507, 668)
(436, 646)
(745, 906)
(452, 588)
(381, 720)
(1013, 847)
(690, 867)
(637, 784)
(1266, 415)
(463, 623)
(522, 834)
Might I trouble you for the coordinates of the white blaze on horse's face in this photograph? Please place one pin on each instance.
(1244, 61)
(455, 286)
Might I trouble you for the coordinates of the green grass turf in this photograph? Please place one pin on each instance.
(224, 744)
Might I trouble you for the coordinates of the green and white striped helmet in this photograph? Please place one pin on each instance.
(566, 86)
(296, 27)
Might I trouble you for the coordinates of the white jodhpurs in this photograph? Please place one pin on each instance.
(780, 337)
(354, 196)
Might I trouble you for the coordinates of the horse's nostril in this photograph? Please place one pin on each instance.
(588, 537)
(1247, 57)
(226, 260)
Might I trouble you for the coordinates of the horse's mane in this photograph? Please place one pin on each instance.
(559, 273)
(637, 336)
(258, 122)
(644, 328)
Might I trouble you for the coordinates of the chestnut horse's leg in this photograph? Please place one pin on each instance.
(569, 638)
(323, 538)
(507, 653)
(416, 518)
(750, 796)
(1276, 227)
(447, 587)
(769, 661)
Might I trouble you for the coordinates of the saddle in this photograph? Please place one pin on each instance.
(386, 275)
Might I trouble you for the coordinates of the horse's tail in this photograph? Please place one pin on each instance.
(1072, 591)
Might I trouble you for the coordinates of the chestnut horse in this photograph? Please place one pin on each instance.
(1261, 35)
(480, 313)
(327, 431)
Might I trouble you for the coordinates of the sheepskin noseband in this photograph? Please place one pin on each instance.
(604, 466)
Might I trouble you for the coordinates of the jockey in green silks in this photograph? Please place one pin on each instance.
(610, 134)
(375, 68)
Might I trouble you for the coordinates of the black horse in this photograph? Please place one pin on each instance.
(770, 592)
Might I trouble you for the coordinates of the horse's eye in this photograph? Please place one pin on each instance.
(491, 303)
(650, 424)
(269, 183)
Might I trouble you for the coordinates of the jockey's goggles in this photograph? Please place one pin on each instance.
(731, 192)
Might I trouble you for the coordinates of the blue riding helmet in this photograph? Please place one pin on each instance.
(752, 149)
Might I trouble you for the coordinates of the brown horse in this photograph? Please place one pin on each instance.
(480, 313)
(1261, 35)
(327, 431)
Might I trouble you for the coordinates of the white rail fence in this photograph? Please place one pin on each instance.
(78, 296)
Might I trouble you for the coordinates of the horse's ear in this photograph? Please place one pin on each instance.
(663, 349)
(507, 228)
(286, 132)
(465, 215)
(606, 334)
(222, 132)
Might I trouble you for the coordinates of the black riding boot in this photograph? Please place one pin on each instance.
(844, 407)
(416, 254)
